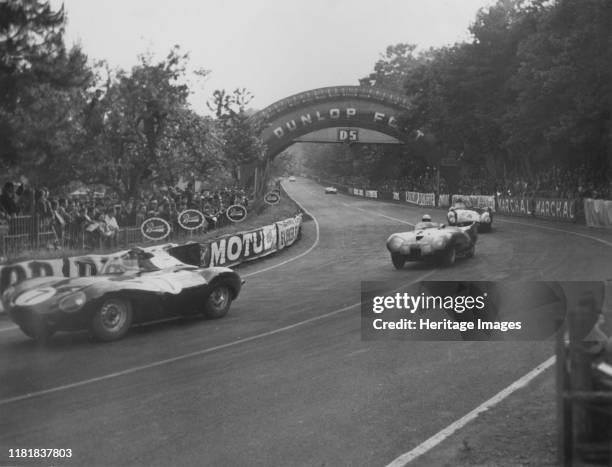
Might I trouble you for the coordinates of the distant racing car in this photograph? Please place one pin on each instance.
(330, 190)
(463, 213)
(432, 241)
(132, 286)
(292, 179)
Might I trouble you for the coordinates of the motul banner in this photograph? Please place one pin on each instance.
(513, 206)
(557, 209)
(598, 212)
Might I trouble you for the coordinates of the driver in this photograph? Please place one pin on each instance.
(426, 223)
(460, 203)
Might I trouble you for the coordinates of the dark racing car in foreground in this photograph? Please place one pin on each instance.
(433, 241)
(133, 286)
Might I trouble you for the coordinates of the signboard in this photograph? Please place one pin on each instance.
(191, 219)
(272, 197)
(155, 228)
(348, 135)
(236, 213)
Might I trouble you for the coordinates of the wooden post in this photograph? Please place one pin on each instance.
(581, 322)
(564, 404)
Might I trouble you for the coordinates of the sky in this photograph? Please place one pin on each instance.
(273, 48)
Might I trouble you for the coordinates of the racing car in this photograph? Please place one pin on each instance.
(432, 241)
(330, 190)
(462, 213)
(292, 179)
(132, 286)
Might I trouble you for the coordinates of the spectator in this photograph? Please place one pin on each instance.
(8, 201)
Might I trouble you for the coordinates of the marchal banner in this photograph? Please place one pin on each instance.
(556, 209)
(514, 206)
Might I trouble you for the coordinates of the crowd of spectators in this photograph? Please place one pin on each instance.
(92, 219)
(557, 182)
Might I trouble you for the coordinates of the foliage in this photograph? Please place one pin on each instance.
(43, 87)
(243, 144)
(529, 91)
(141, 130)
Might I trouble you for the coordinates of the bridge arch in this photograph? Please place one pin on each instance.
(336, 106)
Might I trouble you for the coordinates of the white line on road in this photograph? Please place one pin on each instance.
(453, 427)
(312, 247)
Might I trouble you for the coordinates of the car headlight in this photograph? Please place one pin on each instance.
(394, 243)
(72, 302)
(439, 243)
(6, 295)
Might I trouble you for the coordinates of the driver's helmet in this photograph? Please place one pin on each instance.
(426, 218)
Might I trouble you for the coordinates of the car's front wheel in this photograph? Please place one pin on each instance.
(470, 252)
(449, 256)
(112, 319)
(398, 260)
(218, 302)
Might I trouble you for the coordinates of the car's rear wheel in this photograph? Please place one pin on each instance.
(112, 319)
(398, 260)
(449, 256)
(218, 302)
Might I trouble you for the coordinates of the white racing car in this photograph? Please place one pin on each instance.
(432, 241)
(330, 190)
(462, 213)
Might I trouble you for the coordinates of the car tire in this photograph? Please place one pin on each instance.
(218, 301)
(112, 319)
(398, 260)
(40, 333)
(449, 256)
(471, 251)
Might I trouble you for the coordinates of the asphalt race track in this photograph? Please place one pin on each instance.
(285, 378)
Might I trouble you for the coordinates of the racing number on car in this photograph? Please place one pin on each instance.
(34, 297)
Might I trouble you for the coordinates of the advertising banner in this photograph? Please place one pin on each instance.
(556, 209)
(396, 195)
(598, 213)
(444, 201)
(514, 206)
(412, 197)
(288, 231)
(421, 199)
(371, 194)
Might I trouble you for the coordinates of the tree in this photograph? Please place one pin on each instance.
(148, 133)
(243, 144)
(42, 87)
(391, 70)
